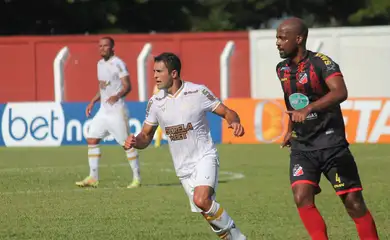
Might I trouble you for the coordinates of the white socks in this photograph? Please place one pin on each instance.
(222, 224)
(132, 157)
(93, 159)
(218, 217)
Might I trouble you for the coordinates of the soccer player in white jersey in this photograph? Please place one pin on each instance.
(112, 117)
(180, 109)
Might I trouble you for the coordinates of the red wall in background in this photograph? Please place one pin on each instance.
(26, 63)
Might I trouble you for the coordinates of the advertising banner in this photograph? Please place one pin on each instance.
(367, 120)
(44, 124)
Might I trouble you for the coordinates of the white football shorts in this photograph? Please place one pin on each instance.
(205, 174)
(115, 123)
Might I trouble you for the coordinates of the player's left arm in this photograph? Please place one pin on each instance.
(335, 81)
(126, 84)
(231, 117)
(125, 79)
(228, 114)
(126, 87)
(214, 105)
(331, 74)
(145, 137)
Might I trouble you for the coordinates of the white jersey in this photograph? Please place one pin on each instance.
(109, 74)
(183, 119)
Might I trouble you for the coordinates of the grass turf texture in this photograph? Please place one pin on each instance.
(39, 200)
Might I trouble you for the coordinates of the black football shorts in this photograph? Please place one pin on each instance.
(337, 164)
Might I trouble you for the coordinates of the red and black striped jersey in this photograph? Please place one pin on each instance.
(304, 83)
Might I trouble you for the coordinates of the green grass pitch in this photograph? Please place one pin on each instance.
(39, 200)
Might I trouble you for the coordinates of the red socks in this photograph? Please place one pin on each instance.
(315, 225)
(313, 221)
(366, 227)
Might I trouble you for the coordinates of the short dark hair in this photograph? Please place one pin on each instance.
(171, 61)
(112, 42)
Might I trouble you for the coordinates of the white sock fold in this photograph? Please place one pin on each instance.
(218, 217)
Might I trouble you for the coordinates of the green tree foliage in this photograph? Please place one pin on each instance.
(43, 17)
(373, 12)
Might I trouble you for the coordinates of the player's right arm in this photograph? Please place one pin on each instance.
(95, 98)
(287, 136)
(90, 105)
(145, 137)
(286, 140)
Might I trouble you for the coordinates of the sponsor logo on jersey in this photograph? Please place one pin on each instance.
(208, 95)
(190, 92)
(178, 132)
(298, 100)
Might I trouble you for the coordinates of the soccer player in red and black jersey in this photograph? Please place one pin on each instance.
(314, 87)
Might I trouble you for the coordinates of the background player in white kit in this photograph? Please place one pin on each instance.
(112, 117)
(180, 109)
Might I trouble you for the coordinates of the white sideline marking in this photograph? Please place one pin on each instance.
(230, 176)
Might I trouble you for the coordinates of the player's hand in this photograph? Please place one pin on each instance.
(113, 99)
(88, 109)
(286, 141)
(299, 115)
(238, 129)
(130, 142)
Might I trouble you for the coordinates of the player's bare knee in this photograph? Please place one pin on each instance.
(303, 195)
(93, 141)
(201, 202)
(302, 200)
(202, 198)
(354, 204)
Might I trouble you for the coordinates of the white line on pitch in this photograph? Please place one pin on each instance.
(230, 176)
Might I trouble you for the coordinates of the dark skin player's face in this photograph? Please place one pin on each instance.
(286, 42)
